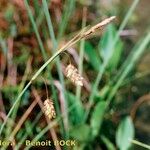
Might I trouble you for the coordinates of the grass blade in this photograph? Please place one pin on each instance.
(52, 35)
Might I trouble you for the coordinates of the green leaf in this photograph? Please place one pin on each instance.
(92, 56)
(114, 61)
(107, 43)
(97, 117)
(77, 113)
(108, 143)
(125, 133)
(81, 132)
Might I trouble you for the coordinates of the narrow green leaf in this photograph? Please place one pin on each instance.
(81, 132)
(106, 42)
(108, 143)
(97, 117)
(106, 45)
(76, 115)
(92, 56)
(68, 10)
(125, 133)
(116, 56)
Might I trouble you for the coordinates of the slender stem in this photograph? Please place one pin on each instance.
(35, 29)
(82, 43)
(68, 10)
(17, 100)
(140, 144)
(58, 64)
(44, 54)
(78, 102)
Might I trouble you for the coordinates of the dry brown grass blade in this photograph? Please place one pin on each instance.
(138, 103)
(22, 120)
(100, 26)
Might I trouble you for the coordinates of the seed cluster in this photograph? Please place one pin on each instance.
(49, 109)
(73, 74)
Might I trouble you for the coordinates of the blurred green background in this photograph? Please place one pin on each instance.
(111, 110)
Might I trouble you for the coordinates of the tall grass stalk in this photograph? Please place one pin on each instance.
(68, 9)
(81, 55)
(80, 66)
(42, 48)
(52, 36)
(35, 29)
(43, 53)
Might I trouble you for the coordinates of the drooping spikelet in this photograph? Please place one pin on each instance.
(73, 74)
(49, 109)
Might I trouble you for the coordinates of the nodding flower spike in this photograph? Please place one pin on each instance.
(73, 74)
(49, 109)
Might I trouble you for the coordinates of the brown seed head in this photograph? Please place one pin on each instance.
(49, 109)
(73, 74)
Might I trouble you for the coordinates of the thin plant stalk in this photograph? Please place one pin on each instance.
(80, 67)
(58, 64)
(81, 55)
(24, 79)
(140, 144)
(44, 55)
(68, 9)
(42, 50)
(40, 42)
(23, 119)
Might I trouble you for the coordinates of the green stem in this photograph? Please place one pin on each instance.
(140, 144)
(54, 95)
(58, 64)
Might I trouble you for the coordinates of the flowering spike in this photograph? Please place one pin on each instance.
(49, 109)
(73, 74)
